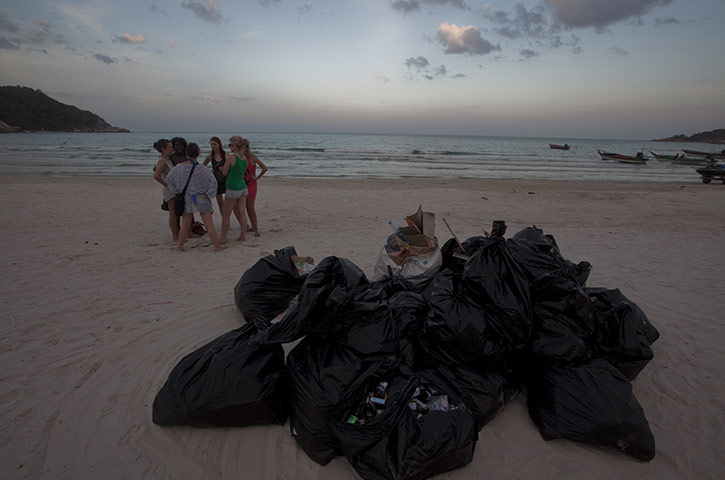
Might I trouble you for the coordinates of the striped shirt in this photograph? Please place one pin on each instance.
(202, 181)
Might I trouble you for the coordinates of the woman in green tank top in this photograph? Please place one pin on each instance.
(236, 195)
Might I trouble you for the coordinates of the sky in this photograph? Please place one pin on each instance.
(610, 69)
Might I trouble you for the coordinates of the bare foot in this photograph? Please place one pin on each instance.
(223, 240)
(219, 248)
(256, 234)
(179, 249)
(242, 239)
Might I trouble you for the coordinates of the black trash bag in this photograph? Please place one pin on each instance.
(494, 281)
(624, 334)
(470, 246)
(396, 444)
(538, 255)
(485, 393)
(320, 372)
(328, 291)
(226, 383)
(458, 331)
(408, 311)
(563, 321)
(268, 286)
(591, 403)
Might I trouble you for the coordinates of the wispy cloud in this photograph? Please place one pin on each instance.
(306, 8)
(6, 44)
(666, 21)
(269, 3)
(527, 53)
(410, 6)
(383, 78)
(463, 40)
(6, 24)
(208, 10)
(618, 51)
(423, 67)
(104, 58)
(204, 98)
(128, 38)
(155, 8)
(598, 13)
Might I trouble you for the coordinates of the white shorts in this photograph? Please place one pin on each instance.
(236, 193)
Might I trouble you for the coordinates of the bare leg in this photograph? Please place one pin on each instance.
(252, 215)
(226, 214)
(220, 202)
(173, 221)
(208, 220)
(237, 214)
(185, 226)
(242, 207)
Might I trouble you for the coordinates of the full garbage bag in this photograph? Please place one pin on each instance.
(328, 291)
(458, 331)
(563, 320)
(408, 311)
(624, 334)
(538, 254)
(226, 383)
(593, 403)
(321, 371)
(496, 283)
(400, 443)
(268, 286)
(417, 269)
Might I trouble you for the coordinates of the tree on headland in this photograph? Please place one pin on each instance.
(713, 136)
(25, 109)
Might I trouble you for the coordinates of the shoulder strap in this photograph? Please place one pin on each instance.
(193, 166)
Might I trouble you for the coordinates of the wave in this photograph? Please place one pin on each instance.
(303, 149)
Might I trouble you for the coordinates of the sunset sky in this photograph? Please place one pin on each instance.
(627, 69)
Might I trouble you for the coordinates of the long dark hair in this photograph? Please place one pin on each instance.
(221, 147)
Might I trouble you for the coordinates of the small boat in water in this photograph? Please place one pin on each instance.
(638, 159)
(559, 147)
(693, 161)
(699, 153)
(665, 158)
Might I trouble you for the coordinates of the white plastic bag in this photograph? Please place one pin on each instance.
(418, 268)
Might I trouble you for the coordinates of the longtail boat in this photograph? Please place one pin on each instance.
(559, 147)
(699, 153)
(638, 159)
(665, 158)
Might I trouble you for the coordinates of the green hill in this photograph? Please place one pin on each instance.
(25, 109)
(713, 136)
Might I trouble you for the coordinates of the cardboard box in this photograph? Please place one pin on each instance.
(417, 238)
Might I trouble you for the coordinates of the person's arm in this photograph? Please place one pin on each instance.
(160, 166)
(230, 161)
(208, 159)
(262, 165)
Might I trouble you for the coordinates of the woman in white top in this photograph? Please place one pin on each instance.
(161, 170)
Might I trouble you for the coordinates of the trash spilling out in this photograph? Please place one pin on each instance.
(399, 373)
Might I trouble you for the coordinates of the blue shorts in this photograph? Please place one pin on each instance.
(236, 193)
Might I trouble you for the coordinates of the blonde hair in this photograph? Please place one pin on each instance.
(238, 141)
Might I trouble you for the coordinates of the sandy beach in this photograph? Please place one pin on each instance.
(97, 307)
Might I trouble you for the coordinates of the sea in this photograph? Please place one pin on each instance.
(321, 155)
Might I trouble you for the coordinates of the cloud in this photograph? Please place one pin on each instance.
(618, 51)
(406, 6)
(128, 38)
(527, 53)
(522, 23)
(41, 36)
(420, 63)
(204, 98)
(208, 10)
(269, 3)
(6, 24)
(410, 6)
(241, 99)
(458, 75)
(383, 78)
(104, 58)
(6, 44)
(465, 39)
(170, 43)
(423, 67)
(154, 8)
(598, 13)
(666, 21)
(306, 8)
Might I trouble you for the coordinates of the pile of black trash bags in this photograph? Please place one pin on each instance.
(514, 316)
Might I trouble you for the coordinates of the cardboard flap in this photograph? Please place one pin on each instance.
(425, 222)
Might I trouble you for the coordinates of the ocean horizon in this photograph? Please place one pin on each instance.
(354, 155)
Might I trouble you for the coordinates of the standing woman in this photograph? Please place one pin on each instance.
(235, 165)
(250, 178)
(217, 159)
(162, 168)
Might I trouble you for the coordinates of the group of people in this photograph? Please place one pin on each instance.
(232, 179)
